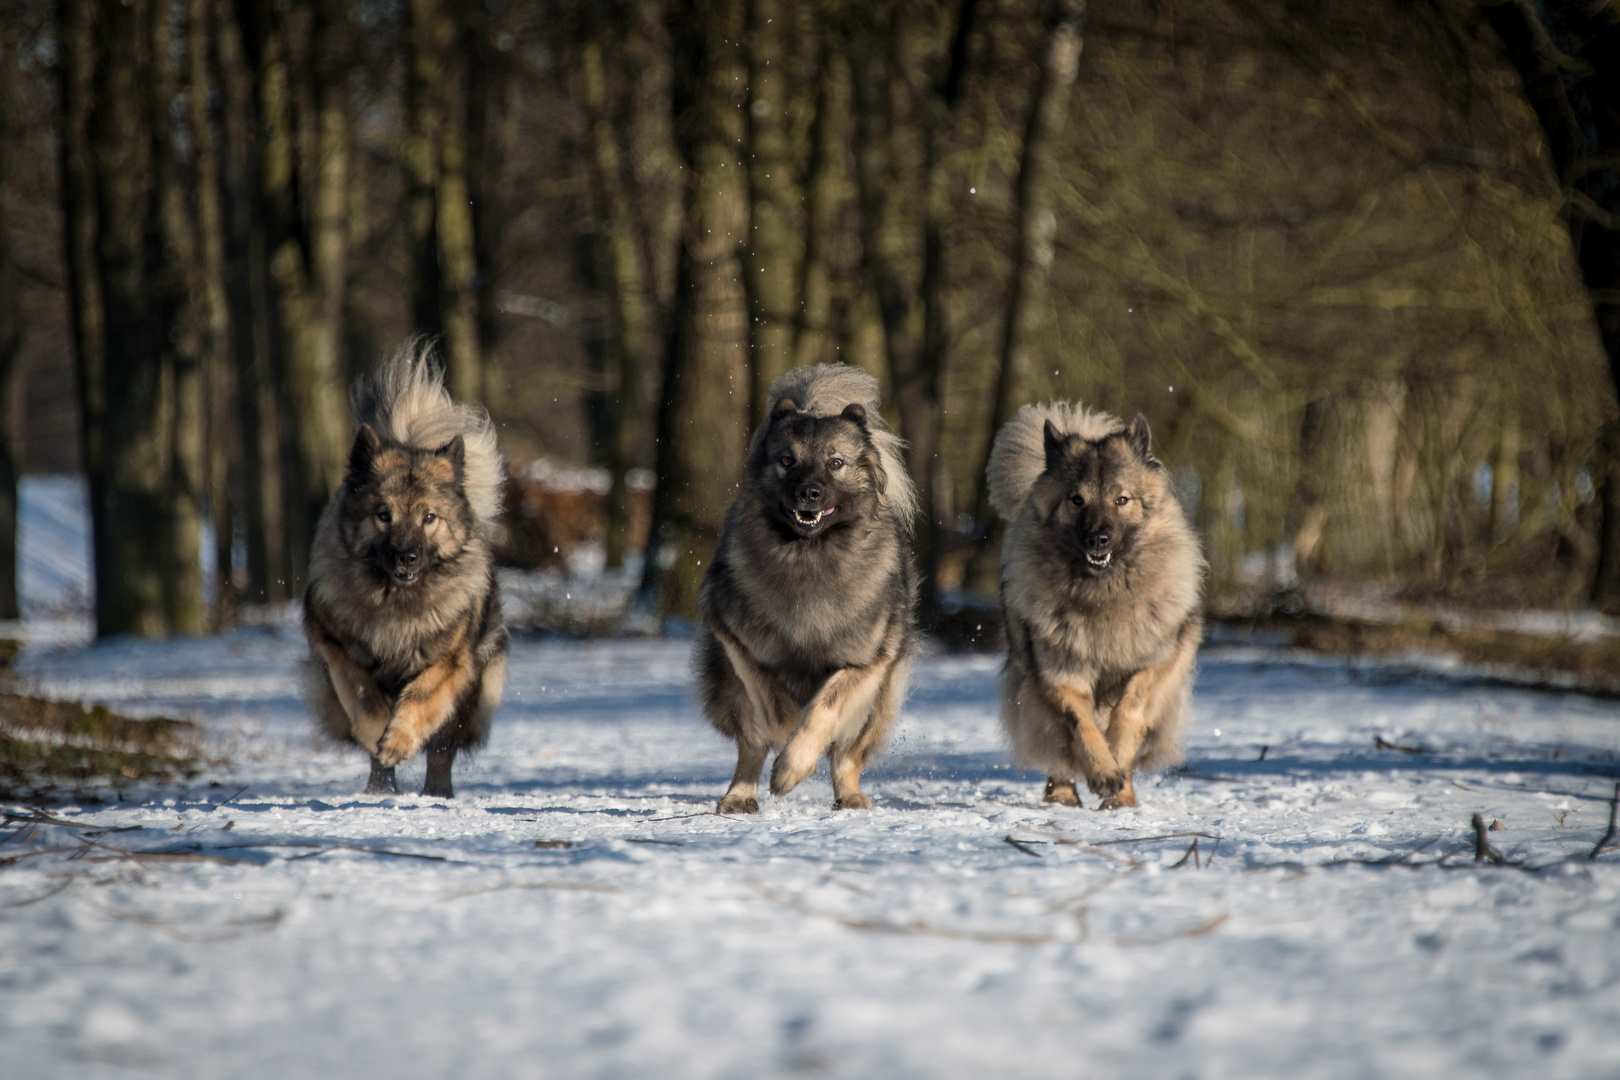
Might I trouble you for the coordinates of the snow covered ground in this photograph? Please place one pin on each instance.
(578, 912)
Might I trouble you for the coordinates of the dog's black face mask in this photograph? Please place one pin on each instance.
(1097, 495)
(817, 473)
(406, 510)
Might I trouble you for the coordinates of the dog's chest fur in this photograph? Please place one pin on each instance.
(807, 607)
(1094, 628)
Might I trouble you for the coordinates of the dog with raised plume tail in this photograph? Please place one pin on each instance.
(1101, 578)
(808, 604)
(407, 647)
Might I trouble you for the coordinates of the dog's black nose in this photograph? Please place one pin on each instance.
(1097, 541)
(809, 492)
(409, 558)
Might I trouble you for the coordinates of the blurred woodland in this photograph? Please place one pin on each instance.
(1359, 265)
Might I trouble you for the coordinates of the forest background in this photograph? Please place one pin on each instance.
(1358, 264)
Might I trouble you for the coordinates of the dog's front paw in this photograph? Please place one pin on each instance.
(856, 801)
(395, 747)
(1119, 802)
(737, 804)
(792, 766)
(1106, 781)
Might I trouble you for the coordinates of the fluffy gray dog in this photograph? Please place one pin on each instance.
(407, 647)
(1100, 592)
(808, 605)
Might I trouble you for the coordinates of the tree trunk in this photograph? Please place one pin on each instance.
(775, 244)
(126, 308)
(301, 60)
(248, 297)
(1568, 54)
(703, 425)
(903, 251)
(1032, 264)
(814, 339)
(443, 231)
(11, 337)
(179, 279)
(219, 449)
(634, 342)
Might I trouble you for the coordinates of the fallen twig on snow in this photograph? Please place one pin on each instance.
(1482, 847)
(1192, 853)
(1384, 744)
(1023, 845)
(1144, 839)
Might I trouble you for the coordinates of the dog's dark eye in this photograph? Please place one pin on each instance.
(836, 463)
(384, 516)
(1122, 500)
(1078, 499)
(429, 518)
(787, 461)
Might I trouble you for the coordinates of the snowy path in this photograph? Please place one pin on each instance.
(580, 914)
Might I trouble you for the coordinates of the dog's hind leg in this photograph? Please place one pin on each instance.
(439, 764)
(381, 781)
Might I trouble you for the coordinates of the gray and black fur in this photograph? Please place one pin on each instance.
(808, 606)
(407, 647)
(1101, 577)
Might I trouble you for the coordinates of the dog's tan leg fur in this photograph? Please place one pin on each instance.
(1139, 708)
(1062, 791)
(425, 704)
(1103, 774)
(847, 692)
(847, 760)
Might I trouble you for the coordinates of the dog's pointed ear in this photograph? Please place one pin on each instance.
(1141, 439)
(783, 407)
(366, 445)
(856, 412)
(456, 451)
(1057, 445)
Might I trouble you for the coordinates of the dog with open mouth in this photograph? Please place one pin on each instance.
(808, 604)
(1101, 583)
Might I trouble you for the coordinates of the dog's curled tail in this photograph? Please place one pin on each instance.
(405, 402)
(826, 390)
(1019, 455)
